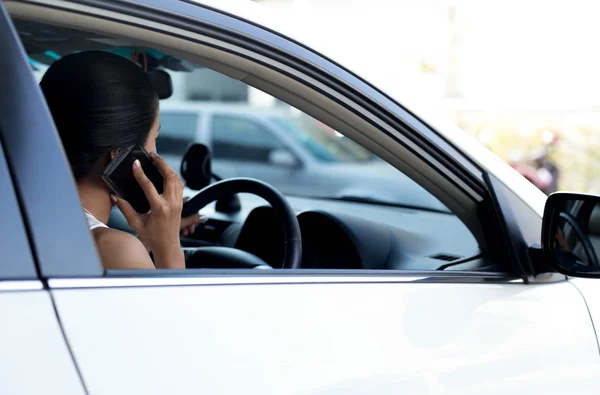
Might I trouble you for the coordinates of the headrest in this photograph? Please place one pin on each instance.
(594, 224)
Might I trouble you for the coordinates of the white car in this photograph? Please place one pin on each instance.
(375, 299)
(289, 151)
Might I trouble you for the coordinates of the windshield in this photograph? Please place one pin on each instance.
(321, 142)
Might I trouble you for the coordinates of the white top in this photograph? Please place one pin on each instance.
(93, 222)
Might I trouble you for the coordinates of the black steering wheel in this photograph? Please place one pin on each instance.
(587, 245)
(231, 257)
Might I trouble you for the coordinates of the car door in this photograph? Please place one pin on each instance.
(34, 356)
(311, 332)
(243, 146)
(288, 334)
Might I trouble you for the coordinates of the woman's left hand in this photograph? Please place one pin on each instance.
(188, 224)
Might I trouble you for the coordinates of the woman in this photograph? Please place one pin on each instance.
(102, 103)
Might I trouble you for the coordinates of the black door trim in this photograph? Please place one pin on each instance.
(61, 242)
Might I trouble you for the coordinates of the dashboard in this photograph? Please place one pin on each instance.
(346, 235)
(341, 235)
(325, 244)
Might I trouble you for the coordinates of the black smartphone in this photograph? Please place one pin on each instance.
(118, 174)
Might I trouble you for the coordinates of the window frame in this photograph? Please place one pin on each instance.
(461, 171)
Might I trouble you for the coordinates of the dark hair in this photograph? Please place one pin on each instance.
(100, 103)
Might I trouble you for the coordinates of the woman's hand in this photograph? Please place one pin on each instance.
(188, 224)
(158, 230)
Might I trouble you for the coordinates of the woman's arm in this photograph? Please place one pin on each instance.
(121, 250)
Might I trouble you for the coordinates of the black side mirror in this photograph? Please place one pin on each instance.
(571, 234)
(161, 80)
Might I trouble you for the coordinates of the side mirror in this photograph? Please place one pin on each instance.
(283, 157)
(571, 234)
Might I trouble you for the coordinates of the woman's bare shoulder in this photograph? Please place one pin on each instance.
(121, 250)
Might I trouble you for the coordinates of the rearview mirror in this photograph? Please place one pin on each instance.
(161, 81)
(196, 166)
(282, 157)
(571, 234)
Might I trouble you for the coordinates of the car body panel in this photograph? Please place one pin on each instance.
(590, 290)
(35, 358)
(335, 338)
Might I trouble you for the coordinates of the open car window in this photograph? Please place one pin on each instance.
(351, 204)
(316, 168)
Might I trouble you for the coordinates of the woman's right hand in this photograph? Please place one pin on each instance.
(158, 230)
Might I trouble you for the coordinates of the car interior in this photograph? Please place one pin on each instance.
(335, 234)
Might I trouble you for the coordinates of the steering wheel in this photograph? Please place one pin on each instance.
(231, 257)
(587, 245)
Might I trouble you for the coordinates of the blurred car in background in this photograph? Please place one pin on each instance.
(289, 150)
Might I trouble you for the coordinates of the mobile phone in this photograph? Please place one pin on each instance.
(118, 174)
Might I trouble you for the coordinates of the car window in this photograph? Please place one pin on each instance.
(240, 138)
(254, 135)
(321, 142)
(177, 131)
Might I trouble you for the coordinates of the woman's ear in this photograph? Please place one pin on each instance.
(114, 153)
